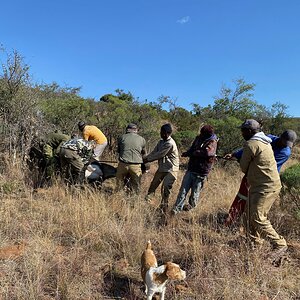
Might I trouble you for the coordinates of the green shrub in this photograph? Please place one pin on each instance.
(184, 139)
(291, 189)
(291, 177)
(10, 187)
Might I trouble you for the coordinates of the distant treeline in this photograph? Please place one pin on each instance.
(28, 109)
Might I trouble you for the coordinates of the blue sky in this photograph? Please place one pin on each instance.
(185, 49)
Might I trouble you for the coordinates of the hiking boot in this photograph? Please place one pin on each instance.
(278, 252)
(277, 255)
(187, 207)
(174, 212)
(148, 199)
(238, 242)
(223, 219)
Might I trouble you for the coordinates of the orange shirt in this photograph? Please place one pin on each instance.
(92, 133)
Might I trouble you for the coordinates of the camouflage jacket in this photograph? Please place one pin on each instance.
(81, 146)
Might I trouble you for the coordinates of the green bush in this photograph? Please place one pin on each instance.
(184, 139)
(291, 189)
(291, 177)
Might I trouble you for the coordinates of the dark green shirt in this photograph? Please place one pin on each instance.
(131, 147)
(53, 142)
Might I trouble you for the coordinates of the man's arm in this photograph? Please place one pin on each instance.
(85, 134)
(158, 153)
(144, 152)
(281, 157)
(190, 151)
(238, 154)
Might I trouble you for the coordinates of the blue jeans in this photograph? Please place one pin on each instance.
(191, 181)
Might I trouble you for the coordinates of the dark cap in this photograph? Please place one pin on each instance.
(132, 126)
(250, 124)
(289, 136)
(81, 125)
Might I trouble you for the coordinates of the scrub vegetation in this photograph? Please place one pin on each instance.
(69, 243)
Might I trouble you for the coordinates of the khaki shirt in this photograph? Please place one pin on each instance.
(166, 153)
(259, 165)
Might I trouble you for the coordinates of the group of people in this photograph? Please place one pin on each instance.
(260, 160)
(69, 155)
(132, 156)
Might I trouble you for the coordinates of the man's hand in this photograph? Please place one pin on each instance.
(197, 153)
(145, 168)
(228, 156)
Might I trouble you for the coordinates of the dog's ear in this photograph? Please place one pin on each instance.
(174, 272)
(171, 270)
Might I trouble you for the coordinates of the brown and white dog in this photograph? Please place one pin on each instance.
(156, 278)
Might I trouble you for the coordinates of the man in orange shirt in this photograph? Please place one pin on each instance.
(92, 133)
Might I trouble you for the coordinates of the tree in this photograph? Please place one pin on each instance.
(230, 137)
(63, 107)
(18, 109)
(125, 96)
(114, 112)
(278, 118)
(237, 102)
(149, 121)
(230, 109)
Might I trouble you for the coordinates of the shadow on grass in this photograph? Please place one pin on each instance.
(120, 286)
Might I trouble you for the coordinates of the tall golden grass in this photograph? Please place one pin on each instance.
(86, 244)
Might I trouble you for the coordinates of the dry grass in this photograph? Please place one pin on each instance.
(86, 244)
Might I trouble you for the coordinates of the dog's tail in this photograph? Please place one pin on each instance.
(148, 247)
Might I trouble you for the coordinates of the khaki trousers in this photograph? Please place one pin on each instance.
(99, 150)
(72, 166)
(131, 172)
(167, 179)
(258, 225)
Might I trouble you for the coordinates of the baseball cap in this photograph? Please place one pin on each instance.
(131, 126)
(289, 136)
(250, 124)
(81, 125)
